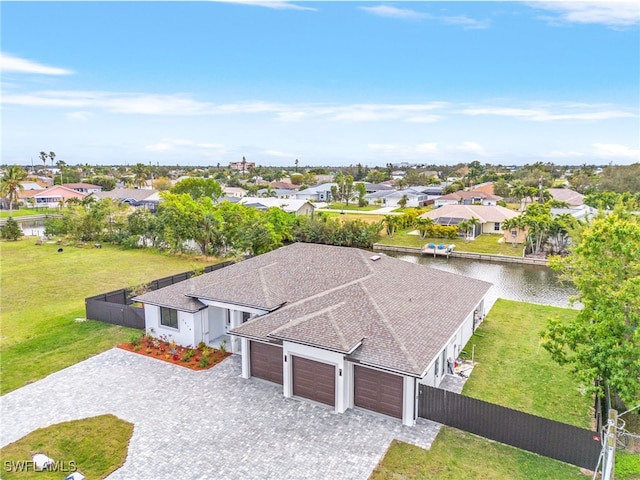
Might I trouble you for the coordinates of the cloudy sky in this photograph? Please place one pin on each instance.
(328, 83)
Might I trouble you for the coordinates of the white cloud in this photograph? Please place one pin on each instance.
(611, 14)
(615, 150)
(394, 12)
(427, 148)
(10, 63)
(563, 154)
(274, 4)
(279, 154)
(466, 22)
(471, 147)
(568, 112)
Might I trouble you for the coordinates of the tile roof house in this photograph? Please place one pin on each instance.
(491, 217)
(83, 187)
(52, 197)
(136, 197)
(289, 205)
(571, 197)
(471, 197)
(335, 325)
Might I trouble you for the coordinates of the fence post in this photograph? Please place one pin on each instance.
(610, 446)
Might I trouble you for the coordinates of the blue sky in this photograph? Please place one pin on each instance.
(328, 83)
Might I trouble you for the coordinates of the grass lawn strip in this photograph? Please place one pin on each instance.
(512, 370)
(97, 446)
(43, 294)
(28, 212)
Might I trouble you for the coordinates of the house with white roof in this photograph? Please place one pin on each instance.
(289, 205)
(334, 325)
(491, 218)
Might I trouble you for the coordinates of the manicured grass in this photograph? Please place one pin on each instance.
(627, 466)
(459, 455)
(352, 206)
(367, 217)
(512, 370)
(97, 446)
(483, 244)
(24, 212)
(43, 294)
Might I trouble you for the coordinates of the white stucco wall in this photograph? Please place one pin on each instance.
(185, 334)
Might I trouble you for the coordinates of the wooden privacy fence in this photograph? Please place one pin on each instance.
(117, 308)
(574, 445)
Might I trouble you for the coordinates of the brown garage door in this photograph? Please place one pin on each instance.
(314, 380)
(378, 391)
(266, 361)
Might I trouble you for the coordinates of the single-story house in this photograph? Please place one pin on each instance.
(490, 217)
(334, 325)
(318, 193)
(52, 197)
(391, 198)
(470, 197)
(83, 187)
(136, 197)
(31, 186)
(234, 191)
(289, 205)
(277, 192)
(571, 197)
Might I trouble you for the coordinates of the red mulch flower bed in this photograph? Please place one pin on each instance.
(197, 358)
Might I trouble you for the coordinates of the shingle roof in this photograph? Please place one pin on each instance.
(470, 194)
(136, 194)
(572, 197)
(389, 313)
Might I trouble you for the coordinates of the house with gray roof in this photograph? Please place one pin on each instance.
(335, 325)
(136, 197)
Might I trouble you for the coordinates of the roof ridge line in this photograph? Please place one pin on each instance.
(304, 318)
(385, 322)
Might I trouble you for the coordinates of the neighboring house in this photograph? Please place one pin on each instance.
(31, 186)
(234, 191)
(289, 205)
(583, 212)
(136, 197)
(377, 187)
(83, 187)
(571, 197)
(486, 187)
(283, 185)
(318, 193)
(490, 217)
(336, 325)
(52, 197)
(278, 192)
(470, 197)
(398, 174)
(391, 198)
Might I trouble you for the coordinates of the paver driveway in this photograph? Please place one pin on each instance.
(207, 424)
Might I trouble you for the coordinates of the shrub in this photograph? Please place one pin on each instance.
(11, 230)
(203, 362)
(135, 339)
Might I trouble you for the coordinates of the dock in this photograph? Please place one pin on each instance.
(439, 249)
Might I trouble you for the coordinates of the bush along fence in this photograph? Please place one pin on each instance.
(117, 307)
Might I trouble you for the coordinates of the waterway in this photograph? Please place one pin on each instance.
(525, 283)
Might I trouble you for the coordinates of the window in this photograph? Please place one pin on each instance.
(245, 316)
(168, 317)
(437, 367)
(496, 226)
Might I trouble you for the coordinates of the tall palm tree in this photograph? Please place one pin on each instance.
(10, 184)
(43, 157)
(60, 164)
(52, 157)
(519, 192)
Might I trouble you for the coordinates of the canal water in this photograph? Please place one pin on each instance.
(525, 283)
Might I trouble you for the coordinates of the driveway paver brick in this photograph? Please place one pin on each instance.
(207, 424)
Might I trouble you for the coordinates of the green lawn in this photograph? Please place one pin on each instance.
(352, 206)
(367, 217)
(97, 446)
(514, 371)
(43, 294)
(24, 212)
(483, 244)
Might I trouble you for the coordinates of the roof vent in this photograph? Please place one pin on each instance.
(375, 258)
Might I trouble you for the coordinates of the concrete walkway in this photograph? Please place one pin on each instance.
(207, 424)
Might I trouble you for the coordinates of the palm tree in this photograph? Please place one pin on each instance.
(473, 223)
(52, 157)
(60, 164)
(403, 200)
(43, 157)
(424, 225)
(463, 227)
(520, 192)
(141, 175)
(391, 222)
(296, 162)
(10, 184)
